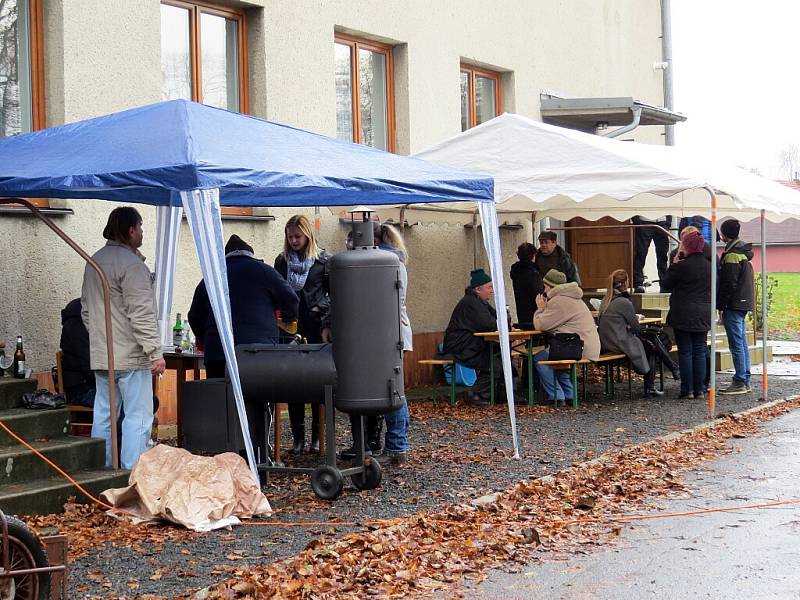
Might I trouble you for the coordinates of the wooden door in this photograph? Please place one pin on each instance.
(597, 252)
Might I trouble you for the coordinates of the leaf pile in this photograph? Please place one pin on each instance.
(88, 528)
(567, 512)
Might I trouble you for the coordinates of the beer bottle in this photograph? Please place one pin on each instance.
(177, 332)
(19, 360)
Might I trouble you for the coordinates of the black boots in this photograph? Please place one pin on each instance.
(299, 437)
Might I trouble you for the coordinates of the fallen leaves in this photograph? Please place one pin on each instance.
(430, 551)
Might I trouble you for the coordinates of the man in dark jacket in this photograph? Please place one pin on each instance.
(76, 373)
(527, 282)
(473, 314)
(735, 300)
(552, 256)
(256, 290)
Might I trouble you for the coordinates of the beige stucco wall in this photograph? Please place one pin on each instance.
(105, 56)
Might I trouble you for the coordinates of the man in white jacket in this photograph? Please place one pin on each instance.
(137, 344)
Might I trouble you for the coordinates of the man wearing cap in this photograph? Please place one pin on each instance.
(473, 314)
(256, 290)
(552, 256)
(735, 300)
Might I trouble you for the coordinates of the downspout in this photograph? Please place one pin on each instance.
(475, 240)
(666, 57)
(637, 116)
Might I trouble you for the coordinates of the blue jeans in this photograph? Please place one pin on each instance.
(557, 384)
(397, 430)
(134, 393)
(736, 328)
(692, 360)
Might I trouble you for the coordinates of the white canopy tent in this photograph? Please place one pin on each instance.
(562, 173)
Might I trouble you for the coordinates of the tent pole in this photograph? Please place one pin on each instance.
(764, 307)
(112, 389)
(712, 363)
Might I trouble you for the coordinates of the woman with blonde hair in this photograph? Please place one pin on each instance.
(620, 333)
(302, 264)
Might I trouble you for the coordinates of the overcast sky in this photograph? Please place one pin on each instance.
(737, 78)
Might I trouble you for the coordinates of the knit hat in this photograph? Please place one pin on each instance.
(730, 229)
(548, 235)
(236, 243)
(554, 278)
(693, 243)
(477, 278)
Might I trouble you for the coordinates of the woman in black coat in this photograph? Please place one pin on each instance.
(303, 264)
(689, 281)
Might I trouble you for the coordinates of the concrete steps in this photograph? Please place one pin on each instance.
(724, 360)
(28, 485)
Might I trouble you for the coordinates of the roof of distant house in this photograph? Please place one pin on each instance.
(785, 232)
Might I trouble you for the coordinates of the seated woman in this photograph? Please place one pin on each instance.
(561, 310)
(619, 331)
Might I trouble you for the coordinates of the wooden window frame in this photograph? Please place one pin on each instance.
(36, 50)
(471, 71)
(196, 10)
(355, 44)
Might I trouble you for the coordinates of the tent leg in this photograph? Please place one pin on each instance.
(491, 239)
(205, 222)
(764, 308)
(713, 380)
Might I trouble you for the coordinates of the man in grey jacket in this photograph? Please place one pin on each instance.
(137, 345)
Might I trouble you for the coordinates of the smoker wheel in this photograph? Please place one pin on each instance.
(370, 478)
(327, 482)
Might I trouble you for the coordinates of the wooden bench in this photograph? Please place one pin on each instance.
(607, 360)
(439, 364)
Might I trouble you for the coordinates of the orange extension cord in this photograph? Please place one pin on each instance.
(610, 519)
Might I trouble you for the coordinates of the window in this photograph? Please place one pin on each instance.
(203, 58)
(203, 55)
(21, 70)
(480, 96)
(364, 95)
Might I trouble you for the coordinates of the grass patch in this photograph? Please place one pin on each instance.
(784, 313)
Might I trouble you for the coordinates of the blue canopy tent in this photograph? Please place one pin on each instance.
(183, 155)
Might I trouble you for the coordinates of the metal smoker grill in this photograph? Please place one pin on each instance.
(361, 374)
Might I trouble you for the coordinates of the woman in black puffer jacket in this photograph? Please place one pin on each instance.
(689, 281)
(302, 263)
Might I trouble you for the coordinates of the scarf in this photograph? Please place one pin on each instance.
(233, 253)
(297, 270)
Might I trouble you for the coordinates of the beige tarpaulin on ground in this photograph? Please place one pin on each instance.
(198, 492)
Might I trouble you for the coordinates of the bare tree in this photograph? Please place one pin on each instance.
(790, 160)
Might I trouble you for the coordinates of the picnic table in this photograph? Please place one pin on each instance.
(526, 336)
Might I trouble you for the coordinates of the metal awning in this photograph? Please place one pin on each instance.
(589, 114)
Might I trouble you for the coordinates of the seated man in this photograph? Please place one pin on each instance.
(76, 374)
(473, 314)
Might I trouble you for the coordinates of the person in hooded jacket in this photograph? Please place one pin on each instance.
(620, 332)
(256, 290)
(688, 280)
(76, 373)
(303, 265)
(527, 282)
(735, 300)
(561, 309)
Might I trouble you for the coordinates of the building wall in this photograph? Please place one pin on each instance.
(780, 259)
(105, 56)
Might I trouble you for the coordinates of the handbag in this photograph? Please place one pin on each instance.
(565, 346)
(43, 399)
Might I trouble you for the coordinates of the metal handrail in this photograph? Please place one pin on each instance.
(112, 394)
